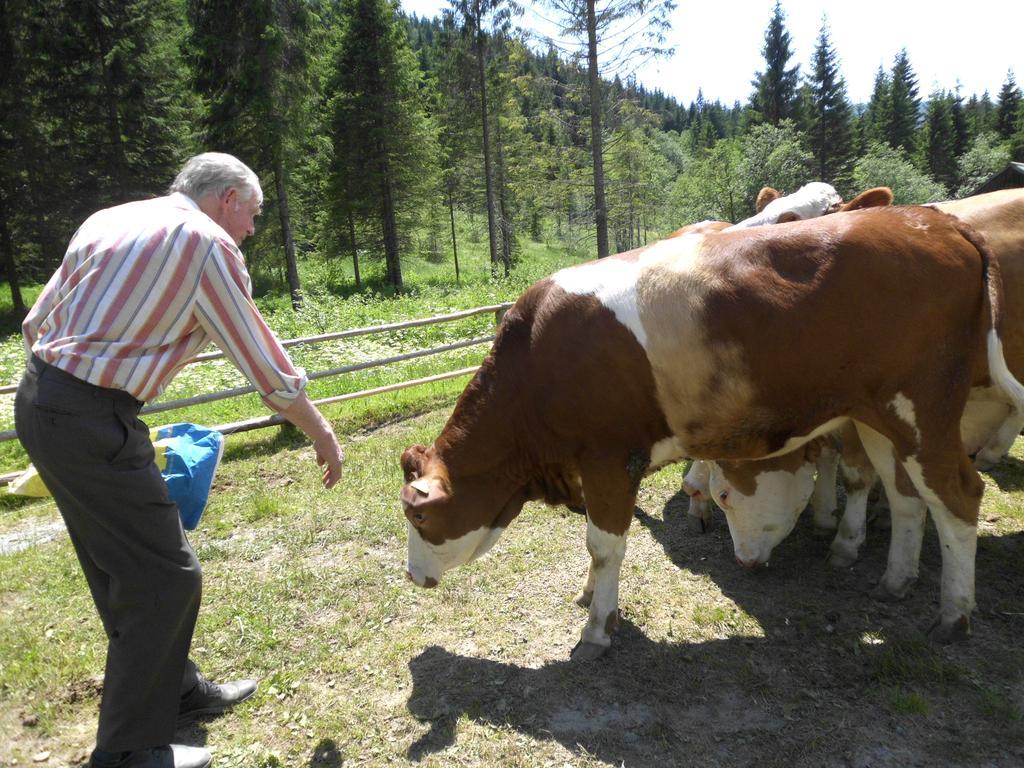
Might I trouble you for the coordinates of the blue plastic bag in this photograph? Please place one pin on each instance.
(187, 456)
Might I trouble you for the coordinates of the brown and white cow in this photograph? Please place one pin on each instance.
(727, 346)
(771, 207)
(761, 514)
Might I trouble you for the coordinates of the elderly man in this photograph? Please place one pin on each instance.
(143, 288)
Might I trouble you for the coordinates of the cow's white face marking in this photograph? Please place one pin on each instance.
(428, 562)
(808, 202)
(758, 522)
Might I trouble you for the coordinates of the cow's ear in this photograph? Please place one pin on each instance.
(787, 217)
(423, 493)
(877, 197)
(765, 196)
(413, 459)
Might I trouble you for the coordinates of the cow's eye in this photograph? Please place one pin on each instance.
(723, 496)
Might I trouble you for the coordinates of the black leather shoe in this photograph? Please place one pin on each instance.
(211, 699)
(173, 756)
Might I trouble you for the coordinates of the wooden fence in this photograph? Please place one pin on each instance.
(267, 421)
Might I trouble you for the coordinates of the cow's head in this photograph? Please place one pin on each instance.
(762, 500)
(451, 521)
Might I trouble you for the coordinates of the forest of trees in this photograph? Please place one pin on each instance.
(374, 132)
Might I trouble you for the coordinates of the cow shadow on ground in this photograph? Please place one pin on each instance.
(638, 705)
(1008, 474)
(799, 593)
(818, 680)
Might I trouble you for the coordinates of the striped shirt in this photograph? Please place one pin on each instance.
(143, 288)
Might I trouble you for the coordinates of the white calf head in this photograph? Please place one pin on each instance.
(762, 500)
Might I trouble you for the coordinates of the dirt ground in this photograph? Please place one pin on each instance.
(836, 680)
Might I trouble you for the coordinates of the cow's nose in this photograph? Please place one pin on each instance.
(749, 564)
(429, 582)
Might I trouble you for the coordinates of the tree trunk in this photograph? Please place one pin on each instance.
(355, 251)
(492, 230)
(10, 268)
(505, 223)
(455, 247)
(286, 232)
(600, 211)
(390, 225)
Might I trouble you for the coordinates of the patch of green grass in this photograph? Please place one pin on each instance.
(908, 702)
(999, 707)
(914, 661)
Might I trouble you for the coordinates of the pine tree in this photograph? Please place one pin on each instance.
(251, 66)
(939, 140)
(876, 118)
(902, 127)
(593, 26)
(775, 89)
(382, 139)
(830, 127)
(1008, 108)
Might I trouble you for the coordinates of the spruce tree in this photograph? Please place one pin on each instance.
(775, 89)
(939, 139)
(876, 118)
(1008, 108)
(904, 102)
(382, 140)
(830, 128)
(251, 66)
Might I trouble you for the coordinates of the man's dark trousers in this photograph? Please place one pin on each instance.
(97, 459)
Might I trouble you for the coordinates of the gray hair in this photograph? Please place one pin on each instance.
(214, 173)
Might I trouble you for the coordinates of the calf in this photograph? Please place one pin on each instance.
(727, 346)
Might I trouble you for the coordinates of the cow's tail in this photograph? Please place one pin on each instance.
(999, 373)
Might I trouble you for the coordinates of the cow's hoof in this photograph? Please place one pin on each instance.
(583, 599)
(955, 632)
(885, 594)
(696, 524)
(841, 559)
(587, 651)
(579, 509)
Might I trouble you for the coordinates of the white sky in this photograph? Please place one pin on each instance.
(718, 43)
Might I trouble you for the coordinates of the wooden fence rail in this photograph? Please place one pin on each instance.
(268, 421)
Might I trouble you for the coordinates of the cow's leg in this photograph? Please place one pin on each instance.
(823, 500)
(1000, 443)
(859, 477)
(908, 515)
(584, 598)
(695, 485)
(954, 509)
(611, 497)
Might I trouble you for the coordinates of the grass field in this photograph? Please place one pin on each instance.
(712, 665)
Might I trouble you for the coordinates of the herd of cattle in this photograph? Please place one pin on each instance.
(885, 340)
